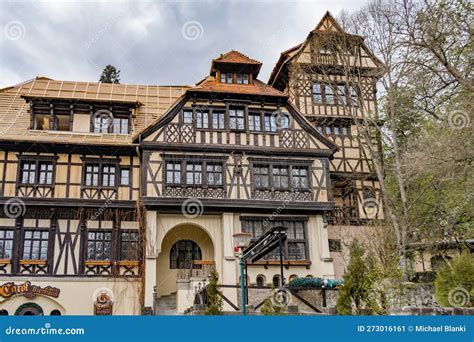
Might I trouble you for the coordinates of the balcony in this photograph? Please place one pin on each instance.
(344, 215)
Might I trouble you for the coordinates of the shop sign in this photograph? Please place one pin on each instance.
(28, 290)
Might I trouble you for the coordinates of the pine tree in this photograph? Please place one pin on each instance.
(110, 75)
(355, 296)
(214, 301)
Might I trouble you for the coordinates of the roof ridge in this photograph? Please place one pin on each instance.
(222, 57)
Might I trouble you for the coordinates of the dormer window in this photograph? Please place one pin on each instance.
(226, 77)
(80, 116)
(242, 79)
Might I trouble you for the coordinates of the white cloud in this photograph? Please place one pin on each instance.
(75, 40)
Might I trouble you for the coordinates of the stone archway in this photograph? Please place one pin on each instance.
(193, 238)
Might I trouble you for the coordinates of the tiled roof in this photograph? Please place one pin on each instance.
(235, 57)
(153, 101)
(210, 85)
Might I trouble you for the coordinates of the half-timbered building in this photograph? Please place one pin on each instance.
(120, 199)
(331, 78)
(70, 233)
(232, 155)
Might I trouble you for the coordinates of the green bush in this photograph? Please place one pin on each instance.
(214, 301)
(454, 284)
(312, 283)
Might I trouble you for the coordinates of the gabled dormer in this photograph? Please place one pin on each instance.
(234, 67)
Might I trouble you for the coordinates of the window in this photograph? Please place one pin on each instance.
(335, 130)
(214, 174)
(334, 245)
(45, 173)
(345, 130)
(276, 280)
(354, 96)
(108, 175)
(341, 95)
(280, 177)
(92, 175)
(3, 312)
(300, 177)
(187, 117)
(193, 173)
(36, 172)
(324, 93)
(100, 174)
(226, 77)
(294, 248)
(242, 79)
(55, 313)
(28, 172)
(173, 173)
(129, 247)
(6, 243)
(254, 122)
(260, 176)
(101, 124)
(120, 126)
(202, 119)
(329, 94)
(328, 130)
(317, 93)
(269, 123)
(124, 176)
(261, 280)
(183, 253)
(35, 245)
(99, 245)
(218, 119)
(292, 277)
(236, 119)
(197, 173)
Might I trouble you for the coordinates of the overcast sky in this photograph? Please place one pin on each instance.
(151, 42)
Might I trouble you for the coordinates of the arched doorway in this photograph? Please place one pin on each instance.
(184, 247)
(29, 309)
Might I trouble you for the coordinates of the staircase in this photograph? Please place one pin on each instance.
(166, 305)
